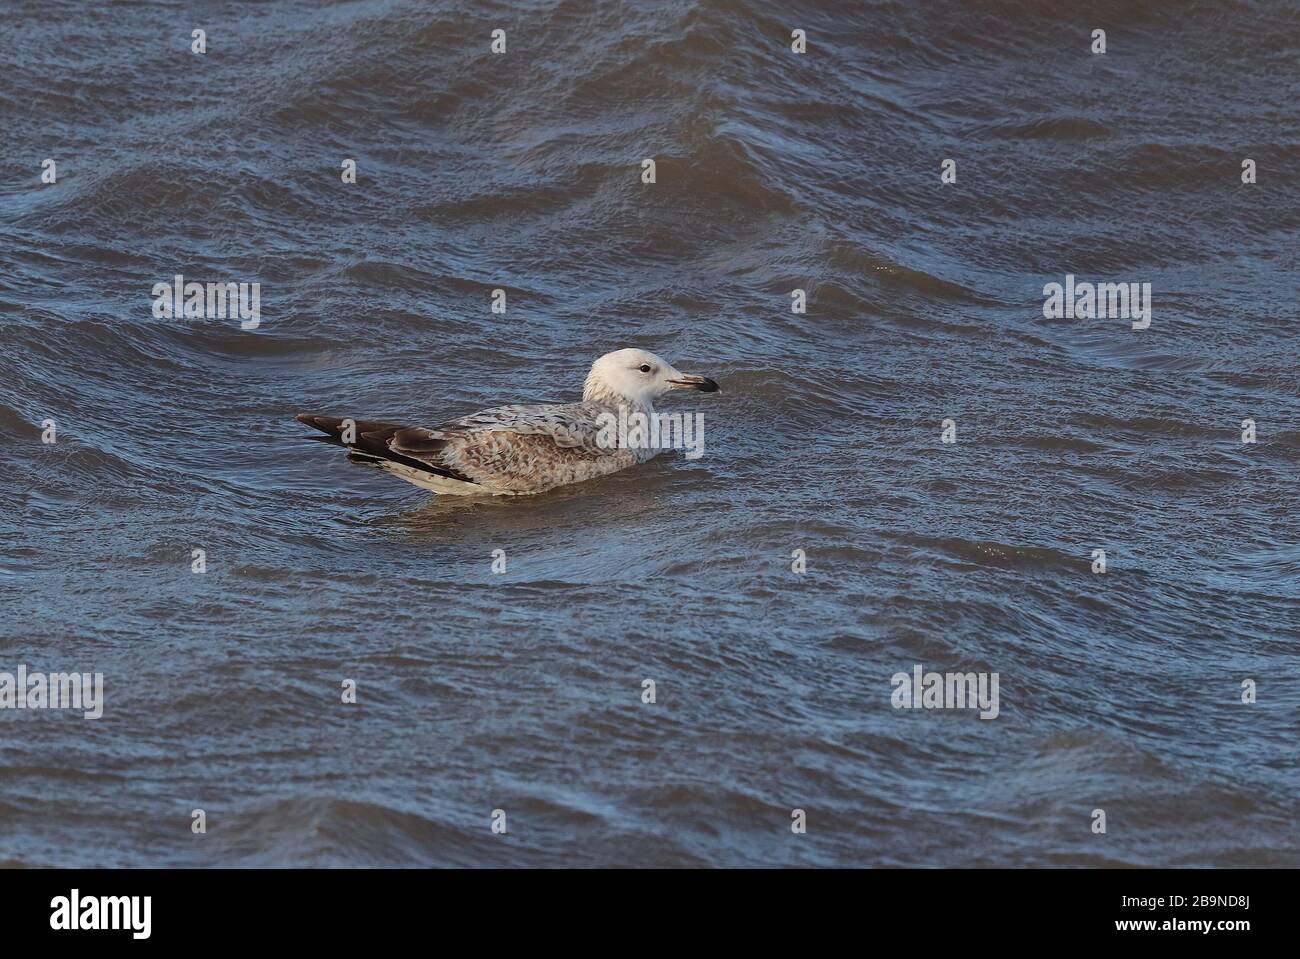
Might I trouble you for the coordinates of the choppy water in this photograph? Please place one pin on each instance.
(775, 171)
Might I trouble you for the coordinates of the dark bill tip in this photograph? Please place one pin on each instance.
(701, 383)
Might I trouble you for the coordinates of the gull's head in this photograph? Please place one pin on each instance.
(638, 377)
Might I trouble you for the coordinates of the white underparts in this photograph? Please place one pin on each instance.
(432, 481)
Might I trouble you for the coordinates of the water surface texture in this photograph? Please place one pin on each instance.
(522, 691)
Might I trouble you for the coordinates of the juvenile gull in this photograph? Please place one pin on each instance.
(516, 450)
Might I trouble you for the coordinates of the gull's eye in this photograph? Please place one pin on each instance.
(645, 367)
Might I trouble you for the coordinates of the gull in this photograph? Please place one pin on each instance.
(519, 450)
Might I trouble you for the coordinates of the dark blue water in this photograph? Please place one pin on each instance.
(522, 691)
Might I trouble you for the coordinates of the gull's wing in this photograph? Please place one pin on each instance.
(509, 449)
(523, 449)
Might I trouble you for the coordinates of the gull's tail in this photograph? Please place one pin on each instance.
(368, 441)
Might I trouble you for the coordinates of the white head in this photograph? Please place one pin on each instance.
(638, 378)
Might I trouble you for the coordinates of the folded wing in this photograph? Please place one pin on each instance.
(510, 449)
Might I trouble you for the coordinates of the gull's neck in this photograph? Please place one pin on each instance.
(596, 391)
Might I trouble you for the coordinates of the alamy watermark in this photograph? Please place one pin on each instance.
(637, 430)
(75, 912)
(922, 690)
(1090, 301)
(24, 690)
(208, 301)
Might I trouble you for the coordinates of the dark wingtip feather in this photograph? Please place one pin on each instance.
(326, 424)
(371, 443)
